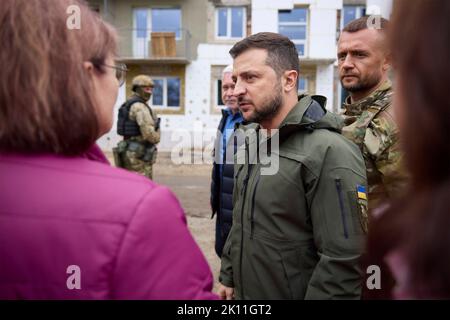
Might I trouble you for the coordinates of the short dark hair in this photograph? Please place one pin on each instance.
(281, 52)
(362, 23)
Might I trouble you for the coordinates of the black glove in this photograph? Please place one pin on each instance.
(158, 122)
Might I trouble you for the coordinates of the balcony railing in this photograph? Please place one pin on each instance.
(155, 45)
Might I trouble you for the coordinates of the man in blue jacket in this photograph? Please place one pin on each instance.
(223, 168)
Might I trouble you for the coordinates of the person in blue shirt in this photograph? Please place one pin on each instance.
(223, 168)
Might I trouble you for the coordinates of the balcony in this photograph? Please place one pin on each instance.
(146, 46)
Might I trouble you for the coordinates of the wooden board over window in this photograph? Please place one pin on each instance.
(163, 44)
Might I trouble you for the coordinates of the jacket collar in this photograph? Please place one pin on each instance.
(310, 113)
(295, 116)
(355, 109)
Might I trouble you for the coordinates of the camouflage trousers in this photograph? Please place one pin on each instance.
(132, 163)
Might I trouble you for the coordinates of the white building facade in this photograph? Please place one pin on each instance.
(313, 25)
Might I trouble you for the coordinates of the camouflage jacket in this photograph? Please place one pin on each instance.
(146, 121)
(371, 125)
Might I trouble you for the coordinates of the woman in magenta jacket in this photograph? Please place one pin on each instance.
(72, 226)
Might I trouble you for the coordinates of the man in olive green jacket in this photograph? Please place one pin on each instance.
(297, 232)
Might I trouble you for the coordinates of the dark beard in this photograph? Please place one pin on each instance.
(268, 110)
(363, 85)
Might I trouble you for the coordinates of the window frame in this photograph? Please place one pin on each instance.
(181, 21)
(218, 94)
(149, 29)
(304, 42)
(306, 90)
(148, 22)
(360, 11)
(229, 23)
(165, 92)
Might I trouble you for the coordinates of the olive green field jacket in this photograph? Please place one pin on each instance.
(297, 234)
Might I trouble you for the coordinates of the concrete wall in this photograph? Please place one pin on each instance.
(322, 28)
(325, 84)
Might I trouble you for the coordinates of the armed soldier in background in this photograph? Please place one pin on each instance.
(139, 126)
(364, 62)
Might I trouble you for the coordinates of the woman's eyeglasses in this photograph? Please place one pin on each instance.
(121, 71)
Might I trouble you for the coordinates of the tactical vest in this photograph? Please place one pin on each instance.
(125, 126)
(356, 132)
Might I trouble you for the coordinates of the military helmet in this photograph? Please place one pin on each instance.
(142, 81)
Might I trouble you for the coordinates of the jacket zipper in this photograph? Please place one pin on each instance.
(252, 217)
(341, 205)
(239, 171)
(243, 194)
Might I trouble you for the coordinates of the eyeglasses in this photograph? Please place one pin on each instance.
(121, 71)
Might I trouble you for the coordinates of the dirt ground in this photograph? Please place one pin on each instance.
(191, 184)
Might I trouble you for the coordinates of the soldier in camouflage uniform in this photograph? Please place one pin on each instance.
(369, 119)
(140, 127)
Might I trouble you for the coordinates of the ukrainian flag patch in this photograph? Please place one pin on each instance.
(362, 193)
